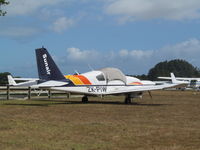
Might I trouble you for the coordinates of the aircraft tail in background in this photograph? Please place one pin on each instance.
(11, 81)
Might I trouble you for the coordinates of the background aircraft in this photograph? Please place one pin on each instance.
(106, 81)
(24, 82)
(192, 82)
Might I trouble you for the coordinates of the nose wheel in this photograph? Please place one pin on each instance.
(84, 99)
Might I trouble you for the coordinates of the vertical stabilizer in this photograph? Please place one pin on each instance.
(173, 78)
(11, 81)
(47, 69)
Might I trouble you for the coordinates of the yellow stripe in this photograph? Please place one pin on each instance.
(74, 79)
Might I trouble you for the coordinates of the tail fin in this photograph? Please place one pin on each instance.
(47, 69)
(11, 81)
(173, 78)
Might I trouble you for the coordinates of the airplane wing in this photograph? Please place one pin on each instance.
(132, 89)
(179, 78)
(175, 83)
(26, 79)
(167, 78)
(50, 84)
(113, 90)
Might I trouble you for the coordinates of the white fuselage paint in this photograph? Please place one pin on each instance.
(104, 87)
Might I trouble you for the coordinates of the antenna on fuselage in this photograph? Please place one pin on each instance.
(76, 72)
(89, 66)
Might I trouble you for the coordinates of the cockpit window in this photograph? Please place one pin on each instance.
(100, 77)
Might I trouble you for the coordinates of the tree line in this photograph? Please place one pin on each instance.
(179, 67)
(3, 78)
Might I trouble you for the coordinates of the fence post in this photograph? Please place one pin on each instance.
(8, 92)
(29, 93)
(49, 94)
(68, 95)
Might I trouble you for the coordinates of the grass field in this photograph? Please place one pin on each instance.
(169, 121)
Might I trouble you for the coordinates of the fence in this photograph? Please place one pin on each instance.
(10, 92)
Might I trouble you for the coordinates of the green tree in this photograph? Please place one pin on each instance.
(3, 3)
(180, 68)
(3, 78)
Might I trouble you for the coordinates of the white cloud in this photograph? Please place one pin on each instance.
(19, 32)
(137, 54)
(123, 53)
(132, 61)
(26, 7)
(140, 54)
(80, 55)
(189, 50)
(129, 10)
(62, 24)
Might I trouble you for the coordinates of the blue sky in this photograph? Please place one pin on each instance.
(132, 35)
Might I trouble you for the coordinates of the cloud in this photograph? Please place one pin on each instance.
(15, 32)
(38, 17)
(81, 55)
(62, 24)
(137, 54)
(131, 10)
(189, 50)
(27, 7)
(131, 61)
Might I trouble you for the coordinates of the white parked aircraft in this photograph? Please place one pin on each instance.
(24, 82)
(192, 82)
(106, 81)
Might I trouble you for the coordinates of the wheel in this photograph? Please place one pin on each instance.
(84, 99)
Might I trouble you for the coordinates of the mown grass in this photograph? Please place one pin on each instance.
(169, 121)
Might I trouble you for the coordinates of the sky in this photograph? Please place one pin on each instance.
(84, 35)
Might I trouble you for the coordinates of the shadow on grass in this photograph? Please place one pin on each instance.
(45, 103)
(38, 105)
(116, 103)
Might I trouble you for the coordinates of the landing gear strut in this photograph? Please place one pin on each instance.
(127, 99)
(84, 99)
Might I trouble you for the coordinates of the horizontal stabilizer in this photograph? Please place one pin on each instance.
(26, 79)
(50, 83)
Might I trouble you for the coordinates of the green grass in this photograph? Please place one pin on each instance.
(169, 121)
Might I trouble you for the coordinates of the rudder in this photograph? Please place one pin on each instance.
(47, 69)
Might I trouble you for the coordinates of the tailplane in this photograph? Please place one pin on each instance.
(47, 69)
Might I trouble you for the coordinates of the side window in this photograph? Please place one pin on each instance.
(100, 77)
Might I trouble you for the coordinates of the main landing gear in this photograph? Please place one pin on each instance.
(84, 99)
(127, 99)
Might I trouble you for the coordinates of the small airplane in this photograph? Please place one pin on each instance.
(191, 82)
(106, 81)
(24, 82)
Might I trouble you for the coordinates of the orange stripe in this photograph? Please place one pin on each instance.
(136, 83)
(74, 79)
(83, 79)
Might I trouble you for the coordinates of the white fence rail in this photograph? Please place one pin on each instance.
(10, 92)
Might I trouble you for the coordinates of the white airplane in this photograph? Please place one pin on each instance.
(191, 82)
(24, 82)
(106, 81)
